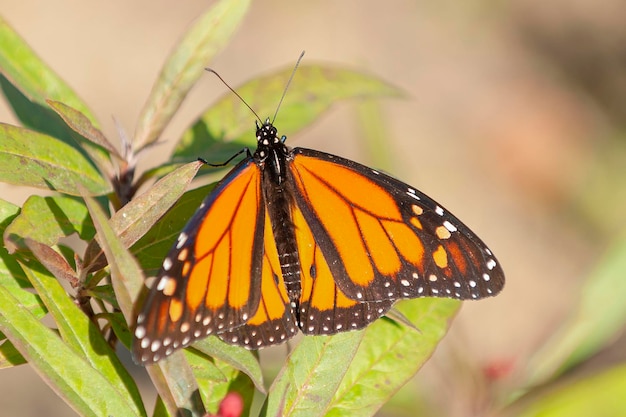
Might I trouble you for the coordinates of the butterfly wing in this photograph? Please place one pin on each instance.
(273, 321)
(384, 240)
(324, 307)
(210, 278)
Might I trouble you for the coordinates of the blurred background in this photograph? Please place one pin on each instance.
(514, 119)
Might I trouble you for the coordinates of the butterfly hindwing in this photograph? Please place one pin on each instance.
(209, 280)
(273, 322)
(324, 307)
(383, 239)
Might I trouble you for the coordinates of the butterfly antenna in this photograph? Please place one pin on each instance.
(234, 92)
(287, 85)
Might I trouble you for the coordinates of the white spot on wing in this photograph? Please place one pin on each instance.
(140, 332)
(167, 264)
(449, 226)
(182, 238)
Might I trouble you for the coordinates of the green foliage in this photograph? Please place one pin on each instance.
(67, 153)
(59, 147)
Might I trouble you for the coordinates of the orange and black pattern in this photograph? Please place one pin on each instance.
(299, 239)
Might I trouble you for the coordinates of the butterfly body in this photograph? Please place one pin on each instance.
(272, 157)
(297, 239)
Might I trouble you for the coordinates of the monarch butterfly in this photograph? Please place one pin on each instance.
(300, 239)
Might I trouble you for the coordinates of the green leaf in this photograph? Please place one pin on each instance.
(9, 356)
(139, 216)
(105, 293)
(603, 394)
(21, 65)
(59, 365)
(20, 290)
(82, 125)
(152, 248)
(12, 277)
(588, 328)
(47, 219)
(307, 382)
(213, 383)
(84, 337)
(118, 324)
(235, 356)
(172, 376)
(42, 161)
(391, 354)
(186, 64)
(53, 262)
(126, 275)
(27, 82)
(237, 382)
(314, 89)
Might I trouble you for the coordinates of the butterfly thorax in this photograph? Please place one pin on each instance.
(272, 156)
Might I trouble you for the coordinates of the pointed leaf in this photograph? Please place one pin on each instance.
(186, 64)
(104, 293)
(237, 357)
(172, 376)
(314, 89)
(139, 216)
(42, 161)
(84, 337)
(58, 364)
(152, 248)
(234, 381)
(307, 382)
(391, 354)
(126, 275)
(83, 126)
(28, 82)
(21, 65)
(47, 219)
(212, 382)
(9, 356)
(53, 262)
(12, 276)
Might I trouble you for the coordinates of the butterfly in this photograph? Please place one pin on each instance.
(301, 240)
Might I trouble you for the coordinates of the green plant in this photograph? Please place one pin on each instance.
(124, 237)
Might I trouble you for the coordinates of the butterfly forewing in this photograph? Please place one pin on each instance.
(383, 239)
(209, 281)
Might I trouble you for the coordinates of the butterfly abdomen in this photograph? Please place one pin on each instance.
(279, 201)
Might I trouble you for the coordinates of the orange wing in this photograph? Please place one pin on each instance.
(209, 280)
(324, 307)
(273, 321)
(382, 239)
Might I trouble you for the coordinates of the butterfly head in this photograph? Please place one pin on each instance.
(271, 153)
(266, 134)
(268, 141)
